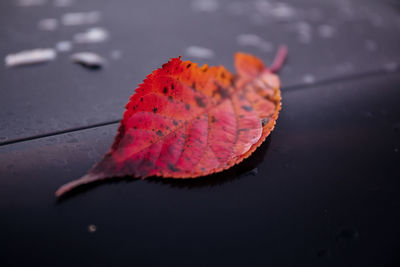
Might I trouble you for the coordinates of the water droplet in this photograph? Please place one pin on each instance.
(92, 228)
(309, 79)
(116, 54)
(326, 31)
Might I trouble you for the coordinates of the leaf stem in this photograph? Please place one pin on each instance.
(88, 178)
(279, 59)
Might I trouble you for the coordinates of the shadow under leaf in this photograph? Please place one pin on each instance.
(246, 168)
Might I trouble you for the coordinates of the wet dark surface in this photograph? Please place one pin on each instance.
(324, 190)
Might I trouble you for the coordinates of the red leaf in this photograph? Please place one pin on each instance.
(186, 121)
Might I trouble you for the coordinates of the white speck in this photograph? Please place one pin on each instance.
(249, 39)
(30, 57)
(63, 3)
(27, 3)
(88, 59)
(309, 78)
(92, 35)
(64, 46)
(254, 40)
(79, 18)
(326, 31)
(92, 228)
(391, 66)
(283, 12)
(370, 45)
(304, 32)
(48, 24)
(205, 5)
(116, 54)
(344, 68)
(199, 52)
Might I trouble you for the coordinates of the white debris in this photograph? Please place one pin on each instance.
(64, 46)
(326, 31)
(30, 57)
(309, 78)
(370, 45)
(199, 52)
(254, 40)
(92, 35)
(80, 18)
(89, 60)
(28, 3)
(48, 24)
(63, 3)
(205, 5)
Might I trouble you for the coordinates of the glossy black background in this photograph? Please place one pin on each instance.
(322, 191)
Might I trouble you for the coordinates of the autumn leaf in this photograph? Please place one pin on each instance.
(186, 121)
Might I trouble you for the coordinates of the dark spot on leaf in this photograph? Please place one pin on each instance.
(159, 133)
(165, 90)
(213, 119)
(188, 65)
(172, 168)
(224, 93)
(243, 130)
(141, 99)
(175, 122)
(155, 109)
(170, 98)
(172, 86)
(247, 108)
(187, 106)
(264, 121)
(200, 102)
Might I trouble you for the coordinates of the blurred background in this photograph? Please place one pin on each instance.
(323, 190)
